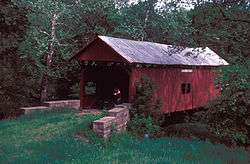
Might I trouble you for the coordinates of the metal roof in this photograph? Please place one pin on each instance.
(155, 53)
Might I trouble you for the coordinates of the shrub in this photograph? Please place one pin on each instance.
(75, 91)
(146, 116)
(229, 115)
(141, 125)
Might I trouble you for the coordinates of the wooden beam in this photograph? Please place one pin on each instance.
(82, 89)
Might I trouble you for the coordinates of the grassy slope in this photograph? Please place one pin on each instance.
(50, 138)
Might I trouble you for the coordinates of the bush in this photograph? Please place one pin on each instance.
(75, 91)
(141, 125)
(146, 116)
(229, 115)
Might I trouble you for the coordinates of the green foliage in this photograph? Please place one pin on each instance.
(228, 117)
(43, 38)
(60, 29)
(14, 91)
(237, 76)
(225, 29)
(141, 125)
(139, 21)
(64, 137)
(145, 103)
(90, 88)
(144, 96)
(146, 109)
(75, 91)
(178, 28)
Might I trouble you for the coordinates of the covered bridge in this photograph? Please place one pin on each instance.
(184, 76)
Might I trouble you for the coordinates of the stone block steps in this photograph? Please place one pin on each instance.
(103, 127)
(116, 121)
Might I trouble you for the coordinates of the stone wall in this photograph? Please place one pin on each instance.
(116, 121)
(63, 103)
(29, 110)
(52, 104)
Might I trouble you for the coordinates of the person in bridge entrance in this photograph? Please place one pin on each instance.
(117, 95)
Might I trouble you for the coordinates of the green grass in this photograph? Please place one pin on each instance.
(50, 138)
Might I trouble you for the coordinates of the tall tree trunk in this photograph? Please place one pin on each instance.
(49, 59)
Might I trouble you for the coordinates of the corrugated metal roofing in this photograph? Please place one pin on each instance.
(155, 53)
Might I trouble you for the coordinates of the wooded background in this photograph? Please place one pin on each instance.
(38, 37)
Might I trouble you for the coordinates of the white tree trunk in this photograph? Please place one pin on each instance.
(49, 59)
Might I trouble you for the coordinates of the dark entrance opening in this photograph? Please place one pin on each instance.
(101, 81)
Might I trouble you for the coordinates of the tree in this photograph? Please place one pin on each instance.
(224, 27)
(56, 30)
(13, 89)
(49, 26)
(139, 21)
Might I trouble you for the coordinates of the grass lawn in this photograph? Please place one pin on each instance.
(50, 137)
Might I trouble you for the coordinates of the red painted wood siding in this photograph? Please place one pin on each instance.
(169, 82)
(100, 51)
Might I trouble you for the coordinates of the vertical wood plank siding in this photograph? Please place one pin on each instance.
(169, 82)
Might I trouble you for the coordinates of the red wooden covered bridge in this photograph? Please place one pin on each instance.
(184, 76)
